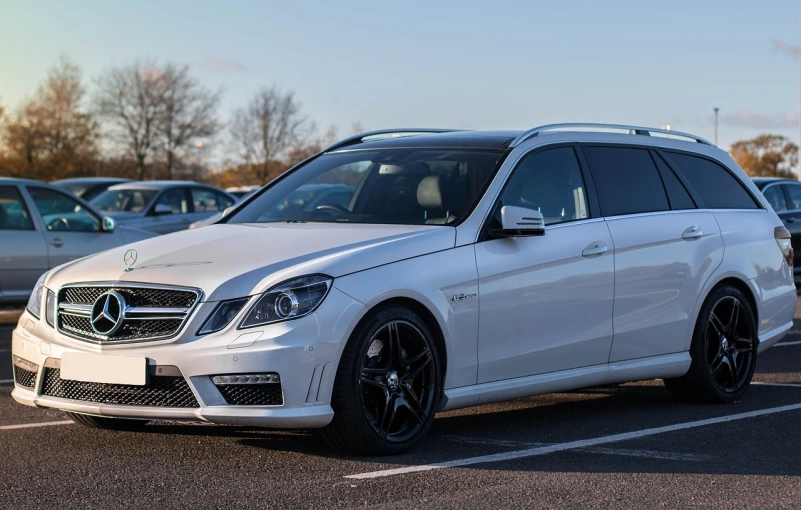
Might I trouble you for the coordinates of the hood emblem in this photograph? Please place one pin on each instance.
(130, 259)
(107, 313)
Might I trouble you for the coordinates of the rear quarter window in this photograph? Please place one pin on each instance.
(715, 185)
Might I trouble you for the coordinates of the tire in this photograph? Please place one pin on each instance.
(723, 351)
(97, 422)
(390, 361)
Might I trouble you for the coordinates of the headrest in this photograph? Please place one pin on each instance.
(432, 192)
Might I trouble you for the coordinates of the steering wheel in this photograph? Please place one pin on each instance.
(59, 224)
(332, 207)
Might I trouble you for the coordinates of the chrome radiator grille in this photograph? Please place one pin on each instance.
(119, 313)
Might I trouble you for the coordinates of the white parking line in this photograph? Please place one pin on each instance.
(6, 381)
(779, 384)
(31, 425)
(573, 445)
(787, 344)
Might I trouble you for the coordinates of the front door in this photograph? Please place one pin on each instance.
(23, 255)
(546, 302)
(72, 231)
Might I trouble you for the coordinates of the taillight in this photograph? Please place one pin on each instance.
(782, 236)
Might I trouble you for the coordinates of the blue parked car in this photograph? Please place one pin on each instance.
(162, 206)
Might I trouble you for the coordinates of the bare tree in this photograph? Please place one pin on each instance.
(268, 128)
(189, 114)
(131, 100)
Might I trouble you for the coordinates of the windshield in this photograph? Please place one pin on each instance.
(126, 200)
(397, 186)
(75, 187)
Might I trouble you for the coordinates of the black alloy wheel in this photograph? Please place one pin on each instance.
(723, 350)
(388, 385)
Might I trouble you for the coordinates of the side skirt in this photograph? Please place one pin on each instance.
(656, 367)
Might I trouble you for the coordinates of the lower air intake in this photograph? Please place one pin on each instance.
(160, 391)
(22, 377)
(269, 394)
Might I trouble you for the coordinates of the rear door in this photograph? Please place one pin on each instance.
(180, 216)
(23, 252)
(207, 202)
(665, 249)
(71, 230)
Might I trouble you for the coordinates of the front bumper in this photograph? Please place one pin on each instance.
(304, 352)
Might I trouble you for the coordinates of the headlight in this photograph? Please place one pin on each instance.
(222, 315)
(50, 308)
(34, 306)
(290, 300)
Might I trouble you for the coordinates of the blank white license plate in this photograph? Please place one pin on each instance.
(87, 367)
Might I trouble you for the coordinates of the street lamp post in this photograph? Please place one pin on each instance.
(716, 109)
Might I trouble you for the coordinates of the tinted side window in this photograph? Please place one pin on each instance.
(13, 213)
(677, 193)
(550, 182)
(224, 201)
(626, 179)
(176, 199)
(716, 187)
(206, 200)
(775, 197)
(794, 195)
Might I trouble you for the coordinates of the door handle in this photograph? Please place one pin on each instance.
(595, 248)
(691, 233)
(58, 243)
(789, 220)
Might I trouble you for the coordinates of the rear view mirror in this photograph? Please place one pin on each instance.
(519, 222)
(162, 209)
(108, 224)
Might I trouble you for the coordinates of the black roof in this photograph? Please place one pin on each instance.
(497, 140)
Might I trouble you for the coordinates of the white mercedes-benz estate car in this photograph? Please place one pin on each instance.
(467, 268)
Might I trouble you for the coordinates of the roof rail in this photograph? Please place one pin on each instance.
(632, 130)
(388, 133)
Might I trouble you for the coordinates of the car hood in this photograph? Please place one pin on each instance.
(228, 261)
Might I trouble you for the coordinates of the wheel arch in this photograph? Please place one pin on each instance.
(428, 317)
(738, 282)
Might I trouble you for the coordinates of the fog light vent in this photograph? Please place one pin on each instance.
(24, 372)
(250, 389)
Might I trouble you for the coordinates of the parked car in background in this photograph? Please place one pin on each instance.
(241, 192)
(306, 198)
(784, 195)
(89, 187)
(162, 206)
(43, 226)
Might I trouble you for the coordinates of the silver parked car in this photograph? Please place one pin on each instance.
(162, 206)
(44, 226)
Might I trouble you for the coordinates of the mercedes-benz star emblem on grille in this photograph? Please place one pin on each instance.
(130, 259)
(107, 313)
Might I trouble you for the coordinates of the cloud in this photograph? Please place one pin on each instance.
(219, 65)
(787, 49)
(753, 120)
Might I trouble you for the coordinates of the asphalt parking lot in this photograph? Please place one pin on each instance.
(626, 446)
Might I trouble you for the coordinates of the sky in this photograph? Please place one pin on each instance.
(501, 64)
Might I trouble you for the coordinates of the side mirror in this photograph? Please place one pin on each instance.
(519, 222)
(109, 224)
(162, 209)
